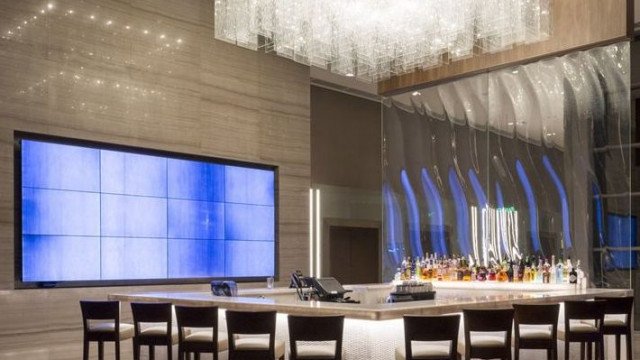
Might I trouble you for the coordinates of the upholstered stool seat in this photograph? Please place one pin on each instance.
(316, 351)
(259, 343)
(126, 330)
(315, 337)
(536, 332)
(425, 351)
(160, 331)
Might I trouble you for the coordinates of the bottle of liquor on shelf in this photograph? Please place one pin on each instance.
(573, 276)
(417, 271)
(560, 272)
(552, 270)
(510, 271)
(582, 278)
(565, 271)
(546, 273)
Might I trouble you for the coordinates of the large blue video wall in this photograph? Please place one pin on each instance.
(98, 214)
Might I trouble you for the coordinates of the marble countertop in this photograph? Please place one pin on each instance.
(449, 298)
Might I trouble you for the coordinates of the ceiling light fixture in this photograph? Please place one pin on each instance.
(376, 39)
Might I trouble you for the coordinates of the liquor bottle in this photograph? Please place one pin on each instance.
(559, 273)
(527, 273)
(510, 271)
(520, 271)
(546, 274)
(582, 279)
(573, 276)
(565, 271)
(417, 271)
(552, 270)
(540, 271)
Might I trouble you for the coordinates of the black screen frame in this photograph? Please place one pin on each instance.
(19, 136)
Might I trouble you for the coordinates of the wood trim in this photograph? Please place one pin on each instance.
(576, 24)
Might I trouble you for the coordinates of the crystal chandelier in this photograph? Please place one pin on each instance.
(376, 39)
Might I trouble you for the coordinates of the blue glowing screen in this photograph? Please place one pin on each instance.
(97, 214)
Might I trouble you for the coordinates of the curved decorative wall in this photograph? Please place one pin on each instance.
(533, 159)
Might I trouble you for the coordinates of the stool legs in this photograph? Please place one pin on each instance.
(152, 352)
(629, 340)
(100, 350)
(85, 350)
(117, 350)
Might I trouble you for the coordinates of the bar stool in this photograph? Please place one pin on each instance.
(101, 322)
(583, 323)
(536, 327)
(159, 335)
(246, 333)
(488, 346)
(617, 321)
(315, 329)
(202, 341)
(430, 329)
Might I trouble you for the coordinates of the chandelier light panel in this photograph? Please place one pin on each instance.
(376, 39)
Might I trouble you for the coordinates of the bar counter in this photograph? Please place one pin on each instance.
(450, 297)
(373, 328)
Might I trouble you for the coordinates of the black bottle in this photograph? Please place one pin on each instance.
(573, 276)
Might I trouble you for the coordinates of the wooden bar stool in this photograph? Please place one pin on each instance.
(315, 329)
(432, 329)
(200, 341)
(101, 322)
(252, 335)
(158, 335)
(617, 321)
(488, 346)
(536, 327)
(583, 323)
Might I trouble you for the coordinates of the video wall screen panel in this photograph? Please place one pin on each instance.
(94, 212)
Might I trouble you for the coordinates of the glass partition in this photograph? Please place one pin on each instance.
(533, 160)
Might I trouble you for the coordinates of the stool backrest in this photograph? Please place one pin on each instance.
(538, 314)
(488, 320)
(431, 328)
(151, 313)
(617, 305)
(584, 310)
(251, 322)
(316, 328)
(203, 317)
(100, 310)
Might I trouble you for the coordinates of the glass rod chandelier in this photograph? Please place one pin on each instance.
(376, 39)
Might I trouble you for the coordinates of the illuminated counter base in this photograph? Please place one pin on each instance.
(372, 329)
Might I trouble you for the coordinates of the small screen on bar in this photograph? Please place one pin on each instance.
(94, 213)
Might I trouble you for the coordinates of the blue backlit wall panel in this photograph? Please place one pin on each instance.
(206, 258)
(249, 186)
(243, 258)
(62, 167)
(249, 222)
(60, 212)
(60, 258)
(133, 258)
(133, 216)
(98, 214)
(194, 180)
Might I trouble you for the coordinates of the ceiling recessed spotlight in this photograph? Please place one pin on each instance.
(92, 17)
(109, 22)
(127, 27)
(162, 36)
(349, 75)
(179, 41)
(145, 32)
(416, 93)
(49, 6)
